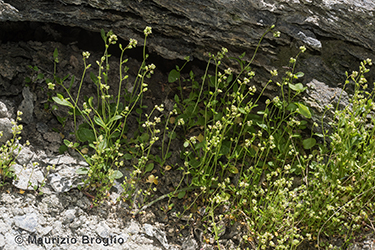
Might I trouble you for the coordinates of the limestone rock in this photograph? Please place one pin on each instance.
(340, 32)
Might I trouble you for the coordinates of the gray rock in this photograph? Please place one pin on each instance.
(44, 230)
(149, 230)
(42, 128)
(25, 156)
(4, 113)
(27, 105)
(27, 222)
(4, 227)
(50, 203)
(76, 224)
(5, 127)
(319, 96)
(194, 27)
(2, 241)
(189, 244)
(133, 227)
(68, 216)
(65, 179)
(161, 236)
(61, 159)
(367, 244)
(52, 137)
(103, 230)
(27, 178)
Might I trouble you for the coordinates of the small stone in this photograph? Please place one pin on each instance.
(4, 113)
(27, 105)
(75, 224)
(2, 241)
(189, 244)
(52, 137)
(27, 179)
(4, 227)
(149, 230)
(6, 128)
(65, 159)
(42, 127)
(27, 222)
(133, 228)
(102, 230)
(69, 216)
(44, 230)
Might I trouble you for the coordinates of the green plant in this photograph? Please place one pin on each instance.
(10, 150)
(104, 122)
(254, 158)
(246, 159)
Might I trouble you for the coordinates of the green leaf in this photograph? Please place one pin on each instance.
(303, 110)
(85, 134)
(230, 78)
(82, 171)
(56, 56)
(157, 159)
(115, 118)
(233, 169)
(59, 99)
(102, 145)
(65, 77)
(176, 98)
(94, 78)
(172, 135)
(309, 143)
(128, 156)
(173, 76)
(40, 76)
(144, 137)
(90, 101)
(194, 163)
(62, 149)
(262, 125)
(62, 120)
(27, 79)
(102, 33)
(292, 107)
(297, 87)
(66, 142)
(116, 175)
(169, 154)
(225, 148)
(299, 74)
(99, 121)
(149, 167)
(242, 110)
(71, 83)
(181, 194)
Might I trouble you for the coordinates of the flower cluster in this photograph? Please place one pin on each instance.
(147, 31)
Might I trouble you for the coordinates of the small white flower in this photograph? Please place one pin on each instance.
(86, 55)
(147, 31)
(276, 34)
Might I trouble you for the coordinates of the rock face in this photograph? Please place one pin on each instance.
(337, 33)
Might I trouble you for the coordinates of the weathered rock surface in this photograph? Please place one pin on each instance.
(338, 33)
